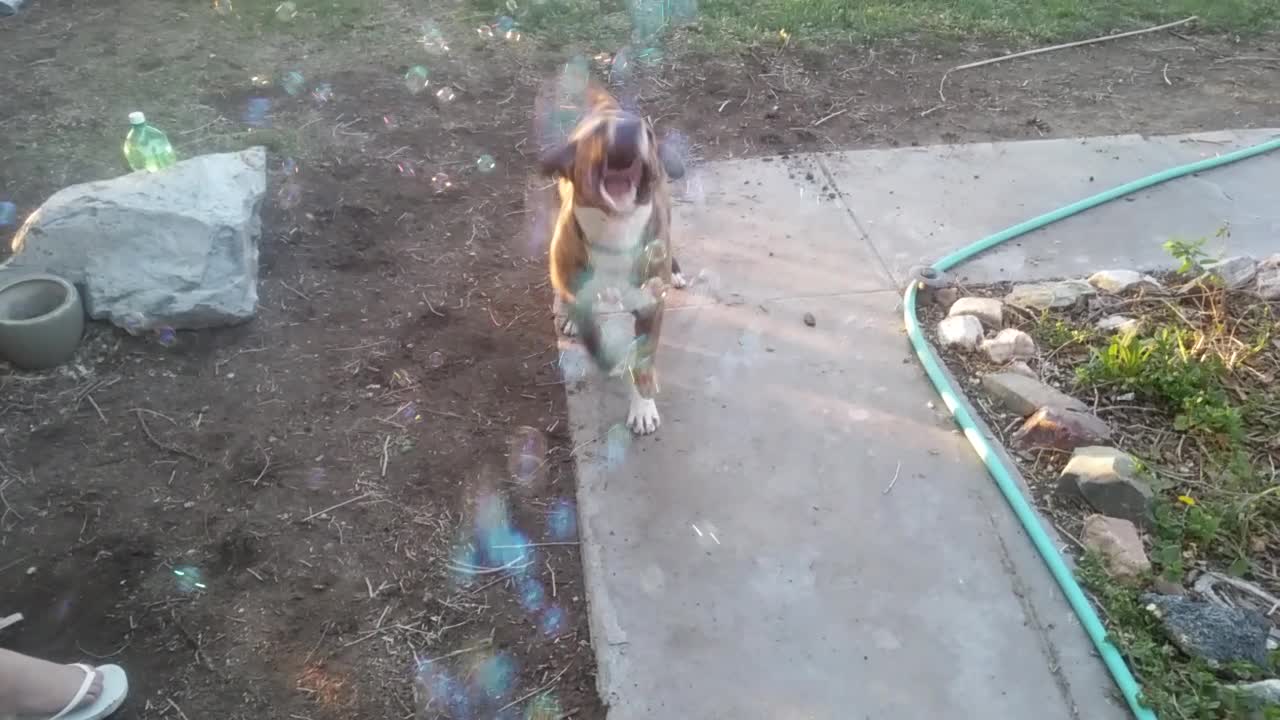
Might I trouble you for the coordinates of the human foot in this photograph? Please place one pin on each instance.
(35, 688)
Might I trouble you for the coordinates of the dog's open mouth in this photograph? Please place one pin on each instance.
(620, 184)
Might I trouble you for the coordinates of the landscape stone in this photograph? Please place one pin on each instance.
(1118, 323)
(1061, 428)
(1119, 544)
(1108, 479)
(1218, 634)
(1022, 368)
(962, 331)
(177, 248)
(1269, 278)
(1049, 295)
(1010, 344)
(1024, 395)
(1116, 282)
(1234, 272)
(988, 310)
(1260, 695)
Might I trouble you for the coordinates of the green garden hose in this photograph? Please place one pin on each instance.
(995, 465)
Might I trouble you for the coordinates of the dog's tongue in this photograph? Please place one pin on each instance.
(617, 184)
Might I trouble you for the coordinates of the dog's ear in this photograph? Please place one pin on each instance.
(671, 160)
(559, 160)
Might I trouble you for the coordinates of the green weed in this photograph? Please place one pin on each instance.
(1054, 332)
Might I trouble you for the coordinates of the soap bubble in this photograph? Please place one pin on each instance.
(553, 621)
(293, 82)
(166, 336)
(315, 478)
(504, 24)
(134, 323)
(289, 195)
(513, 35)
(289, 166)
(511, 6)
(390, 122)
(527, 455)
(263, 80)
(436, 359)
(223, 7)
(323, 93)
(532, 595)
(189, 579)
(484, 31)
(415, 81)
(432, 39)
(616, 444)
(256, 112)
(562, 521)
(446, 94)
(495, 676)
(486, 163)
(286, 11)
(406, 170)
(8, 213)
(543, 707)
(441, 183)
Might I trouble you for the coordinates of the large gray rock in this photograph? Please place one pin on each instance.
(1010, 344)
(1116, 282)
(1259, 696)
(1061, 428)
(1269, 278)
(961, 331)
(177, 248)
(1220, 635)
(1109, 480)
(1234, 272)
(1044, 295)
(1023, 395)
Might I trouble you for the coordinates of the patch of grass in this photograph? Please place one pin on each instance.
(1054, 332)
(1174, 686)
(721, 21)
(1164, 369)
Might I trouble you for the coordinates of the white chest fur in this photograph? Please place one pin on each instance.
(613, 242)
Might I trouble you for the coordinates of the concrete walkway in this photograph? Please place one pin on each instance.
(807, 536)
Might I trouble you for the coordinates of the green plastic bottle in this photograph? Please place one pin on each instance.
(145, 147)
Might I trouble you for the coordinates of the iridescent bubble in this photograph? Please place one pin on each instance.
(166, 336)
(315, 478)
(616, 444)
(189, 579)
(527, 455)
(134, 323)
(620, 67)
(286, 11)
(706, 283)
(405, 170)
(484, 31)
(416, 80)
(486, 163)
(289, 195)
(408, 414)
(223, 7)
(512, 6)
(323, 93)
(562, 521)
(446, 94)
(532, 596)
(390, 122)
(513, 35)
(257, 112)
(441, 183)
(436, 359)
(289, 166)
(263, 80)
(8, 213)
(293, 82)
(573, 364)
(543, 707)
(553, 621)
(432, 39)
(504, 24)
(495, 676)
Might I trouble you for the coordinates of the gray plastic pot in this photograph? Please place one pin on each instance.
(41, 321)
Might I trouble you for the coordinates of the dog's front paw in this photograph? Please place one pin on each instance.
(569, 328)
(643, 417)
(679, 281)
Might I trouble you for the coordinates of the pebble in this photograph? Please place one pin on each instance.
(1010, 344)
(810, 320)
(962, 331)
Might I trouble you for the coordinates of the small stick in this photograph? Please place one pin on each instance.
(541, 544)
(163, 446)
(385, 441)
(456, 653)
(175, 707)
(13, 619)
(894, 480)
(96, 408)
(295, 291)
(535, 691)
(837, 113)
(335, 507)
(1165, 72)
(1063, 46)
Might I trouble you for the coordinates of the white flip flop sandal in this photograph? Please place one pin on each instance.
(115, 687)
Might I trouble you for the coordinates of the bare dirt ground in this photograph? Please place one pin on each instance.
(279, 465)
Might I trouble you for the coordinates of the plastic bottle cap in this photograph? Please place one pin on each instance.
(137, 118)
